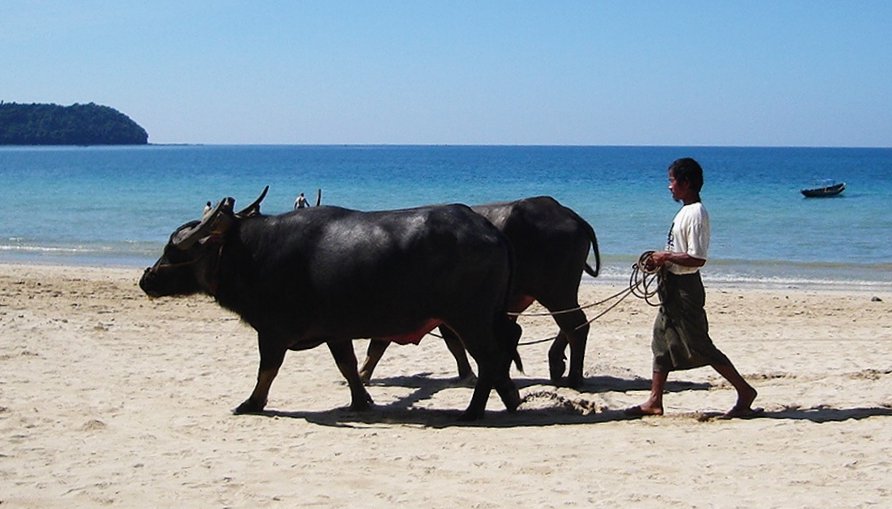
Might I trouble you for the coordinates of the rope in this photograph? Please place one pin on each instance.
(536, 342)
(643, 283)
(645, 279)
(565, 311)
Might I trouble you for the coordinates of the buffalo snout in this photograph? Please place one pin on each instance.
(148, 283)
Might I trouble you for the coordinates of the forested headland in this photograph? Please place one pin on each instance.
(78, 124)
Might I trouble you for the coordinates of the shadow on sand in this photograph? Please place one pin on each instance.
(559, 409)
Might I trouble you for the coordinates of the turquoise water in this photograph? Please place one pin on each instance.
(117, 205)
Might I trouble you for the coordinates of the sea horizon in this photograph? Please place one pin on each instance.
(543, 145)
(360, 144)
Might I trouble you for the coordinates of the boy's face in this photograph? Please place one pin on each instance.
(679, 189)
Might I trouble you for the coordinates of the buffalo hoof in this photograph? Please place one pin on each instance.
(469, 381)
(361, 405)
(467, 375)
(513, 401)
(556, 366)
(249, 407)
(510, 396)
(471, 415)
(574, 381)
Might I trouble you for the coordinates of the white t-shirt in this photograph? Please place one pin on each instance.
(689, 234)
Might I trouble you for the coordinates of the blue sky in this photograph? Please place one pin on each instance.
(755, 73)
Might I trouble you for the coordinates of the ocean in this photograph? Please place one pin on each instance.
(116, 206)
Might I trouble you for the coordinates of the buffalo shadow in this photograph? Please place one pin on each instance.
(402, 411)
(567, 411)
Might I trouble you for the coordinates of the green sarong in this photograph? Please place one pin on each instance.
(681, 332)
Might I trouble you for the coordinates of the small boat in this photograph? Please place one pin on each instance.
(826, 188)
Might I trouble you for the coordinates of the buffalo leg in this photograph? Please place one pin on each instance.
(477, 407)
(272, 354)
(574, 330)
(494, 363)
(376, 350)
(507, 335)
(377, 347)
(345, 358)
(486, 367)
(556, 357)
(492, 376)
(457, 349)
(577, 356)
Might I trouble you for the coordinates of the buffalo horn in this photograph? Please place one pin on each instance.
(254, 208)
(187, 237)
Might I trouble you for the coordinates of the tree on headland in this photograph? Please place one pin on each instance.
(78, 124)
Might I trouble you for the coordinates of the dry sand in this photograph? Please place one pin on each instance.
(109, 398)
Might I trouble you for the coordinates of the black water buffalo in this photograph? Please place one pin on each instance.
(329, 275)
(551, 244)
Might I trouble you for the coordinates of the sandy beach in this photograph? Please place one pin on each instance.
(110, 398)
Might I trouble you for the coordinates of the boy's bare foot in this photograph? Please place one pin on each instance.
(744, 408)
(743, 413)
(643, 410)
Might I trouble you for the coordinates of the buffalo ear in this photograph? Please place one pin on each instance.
(218, 229)
(215, 222)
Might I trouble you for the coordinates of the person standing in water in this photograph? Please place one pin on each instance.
(301, 202)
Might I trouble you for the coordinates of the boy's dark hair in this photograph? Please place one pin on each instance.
(688, 170)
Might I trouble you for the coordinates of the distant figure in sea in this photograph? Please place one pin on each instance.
(681, 333)
(301, 202)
